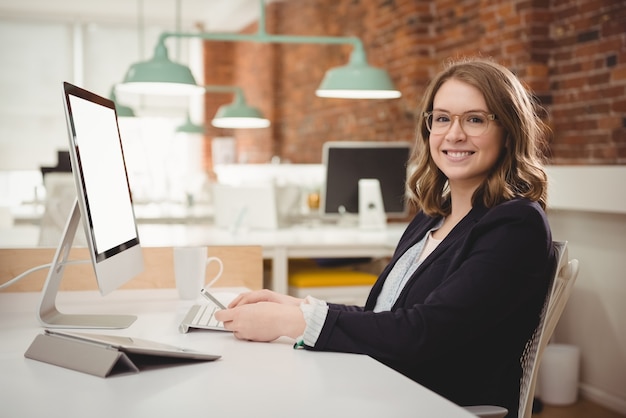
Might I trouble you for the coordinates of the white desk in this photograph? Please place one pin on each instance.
(320, 241)
(250, 380)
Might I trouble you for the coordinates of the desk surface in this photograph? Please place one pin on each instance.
(292, 237)
(251, 379)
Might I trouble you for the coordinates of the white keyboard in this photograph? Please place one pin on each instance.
(202, 317)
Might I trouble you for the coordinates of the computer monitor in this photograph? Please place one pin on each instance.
(103, 206)
(245, 206)
(348, 162)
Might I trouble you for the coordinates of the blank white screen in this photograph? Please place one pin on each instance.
(106, 186)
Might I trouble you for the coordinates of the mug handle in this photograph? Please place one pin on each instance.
(219, 273)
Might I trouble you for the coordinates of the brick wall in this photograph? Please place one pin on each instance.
(588, 79)
(572, 53)
(219, 70)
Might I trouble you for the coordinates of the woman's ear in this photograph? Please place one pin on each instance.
(507, 141)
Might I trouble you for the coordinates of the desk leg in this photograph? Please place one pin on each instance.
(280, 273)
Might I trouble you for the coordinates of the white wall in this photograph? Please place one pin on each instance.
(43, 54)
(95, 56)
(591, 216)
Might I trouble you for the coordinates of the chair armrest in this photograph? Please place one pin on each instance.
(487, 411)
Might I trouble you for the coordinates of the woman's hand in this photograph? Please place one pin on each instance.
(264, 296)
(262, 321)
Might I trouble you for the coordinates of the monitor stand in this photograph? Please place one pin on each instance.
(371, 205)
(48, 315)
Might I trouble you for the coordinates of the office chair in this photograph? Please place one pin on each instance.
(560, 290)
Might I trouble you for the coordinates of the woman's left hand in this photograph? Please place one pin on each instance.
(263, 321)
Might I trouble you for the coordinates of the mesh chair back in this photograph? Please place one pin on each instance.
(560, 290)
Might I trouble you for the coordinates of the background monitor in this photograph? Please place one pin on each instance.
(103, 204)
(245, 206)
(348, 162)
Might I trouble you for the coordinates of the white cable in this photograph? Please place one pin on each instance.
(34, 269)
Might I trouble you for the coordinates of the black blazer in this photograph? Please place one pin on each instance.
(461, 322)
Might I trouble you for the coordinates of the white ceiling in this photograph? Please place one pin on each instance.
(211, 15)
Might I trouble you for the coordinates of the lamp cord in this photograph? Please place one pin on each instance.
(37, 268)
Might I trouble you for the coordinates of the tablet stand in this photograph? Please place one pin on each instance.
(86, 357)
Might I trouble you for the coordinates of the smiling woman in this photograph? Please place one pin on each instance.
(464, 289)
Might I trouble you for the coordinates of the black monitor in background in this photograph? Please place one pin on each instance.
(347, 162)
(103, 207)
(64, 164)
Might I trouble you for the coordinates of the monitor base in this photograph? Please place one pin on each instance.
(60, 320)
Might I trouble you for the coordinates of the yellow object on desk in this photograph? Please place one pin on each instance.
(316, 277)
(332, 284)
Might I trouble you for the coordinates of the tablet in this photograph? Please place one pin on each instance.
(134, 345)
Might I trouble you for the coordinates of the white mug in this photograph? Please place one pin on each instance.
(190, 270)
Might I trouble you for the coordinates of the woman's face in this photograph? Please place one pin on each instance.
(465, 156)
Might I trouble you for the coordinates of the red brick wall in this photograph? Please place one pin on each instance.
(572, 53)
(588, 79)
(218, 70)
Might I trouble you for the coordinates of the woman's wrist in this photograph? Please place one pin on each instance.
(297, 323)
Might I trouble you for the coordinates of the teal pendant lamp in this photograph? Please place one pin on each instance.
(190, 128)
(121, 110)
(357, 80)
(235, 115)
(160, 75)
(238, 115)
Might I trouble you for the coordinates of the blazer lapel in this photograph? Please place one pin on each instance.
(459, 232)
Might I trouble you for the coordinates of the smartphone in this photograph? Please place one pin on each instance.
(212, 298)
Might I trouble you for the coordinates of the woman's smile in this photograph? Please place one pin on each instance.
(454, 155)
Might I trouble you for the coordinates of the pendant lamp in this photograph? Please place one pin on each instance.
(160, 75)
(356, 80)
(239, 115)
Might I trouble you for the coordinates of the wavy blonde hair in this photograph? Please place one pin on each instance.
(519, 171)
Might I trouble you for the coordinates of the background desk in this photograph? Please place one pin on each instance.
(300, 241)
(251, 380)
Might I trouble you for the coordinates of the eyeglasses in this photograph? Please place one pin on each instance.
(472, 123)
